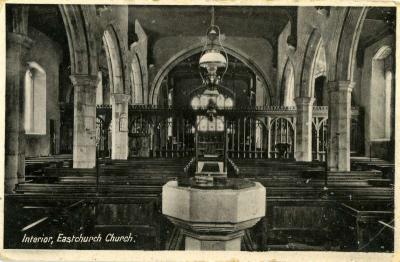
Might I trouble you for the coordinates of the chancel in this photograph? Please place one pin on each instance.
(253, 128)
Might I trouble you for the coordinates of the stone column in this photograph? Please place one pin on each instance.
(119, 138)
(339, 118)
(304, 128)
(84, 145)
(17, 48)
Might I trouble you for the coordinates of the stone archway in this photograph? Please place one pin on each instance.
(137, 92)
(305, 100)
(80, 28)
(341, 82)
(184, 54)
(120, 96)
(348, 43)
(81, 40)
(115, 61)
(306, 79)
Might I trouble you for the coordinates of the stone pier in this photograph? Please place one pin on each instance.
(339, 125)
(17, 48)
(304, 128)
(119, 139)
(84, 145)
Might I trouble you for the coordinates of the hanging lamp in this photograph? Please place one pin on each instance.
(212, 60)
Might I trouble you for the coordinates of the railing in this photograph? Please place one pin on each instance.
(253, 132)
(190, 168)
(257, 153)
(254, 108)
(172, 152)
(233, 168)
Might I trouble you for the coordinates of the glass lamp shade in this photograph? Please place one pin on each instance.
(212, 60)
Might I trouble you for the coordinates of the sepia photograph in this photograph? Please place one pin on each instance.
(256, 128)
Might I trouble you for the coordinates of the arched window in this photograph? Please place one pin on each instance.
(210, 125)
(99, 89)
(288, 85)
(388, 98)
(320, 91)
(229, 103)
(170, 99)
(195, 102)
(381, 90)
(220, 123)
(35, 99)
(202, 101)
(220, 101)
(169, 126)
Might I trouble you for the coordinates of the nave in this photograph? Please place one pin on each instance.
(106, 104)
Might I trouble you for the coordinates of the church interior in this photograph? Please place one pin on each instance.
(106, 104)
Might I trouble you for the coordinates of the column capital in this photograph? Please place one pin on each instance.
(15, 38)
(84, 80)
(304, 101)
(335, 86)
(120, 98)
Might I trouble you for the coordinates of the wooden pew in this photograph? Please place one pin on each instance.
(140, 217)
(363, 230)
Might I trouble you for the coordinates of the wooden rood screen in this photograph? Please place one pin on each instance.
(282, 137)
(173, 137)
(242, 140)
(319, 138)
(259, 132)
(260, 138)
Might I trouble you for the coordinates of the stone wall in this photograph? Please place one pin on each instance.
(47, 54)
(374, 119)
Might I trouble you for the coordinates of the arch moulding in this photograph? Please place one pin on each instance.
(197, 48)
(81, 40)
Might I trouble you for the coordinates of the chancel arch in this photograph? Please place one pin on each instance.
(196, 49)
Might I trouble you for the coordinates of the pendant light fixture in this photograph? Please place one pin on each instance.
(213, 62)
